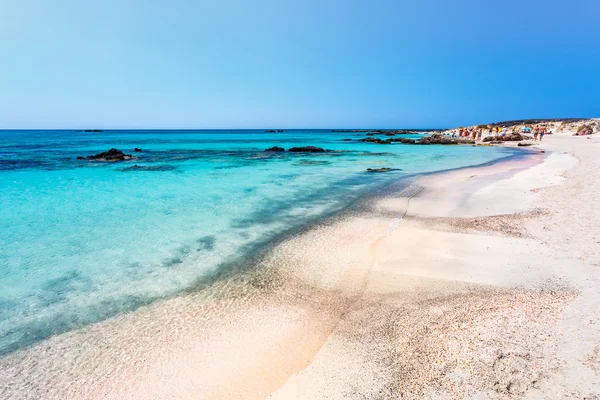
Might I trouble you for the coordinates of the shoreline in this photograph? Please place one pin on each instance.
(254, 252)
(289, 307)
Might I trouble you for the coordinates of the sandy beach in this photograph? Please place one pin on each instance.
(475, 283)
(488, 289)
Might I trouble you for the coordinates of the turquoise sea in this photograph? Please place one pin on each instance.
(81, 241)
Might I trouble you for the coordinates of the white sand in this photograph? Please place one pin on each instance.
(537, 334)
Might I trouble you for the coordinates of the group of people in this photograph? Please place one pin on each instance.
(477, 133)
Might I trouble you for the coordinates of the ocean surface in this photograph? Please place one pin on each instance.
(81, 241)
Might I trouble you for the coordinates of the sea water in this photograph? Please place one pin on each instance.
(81, 241)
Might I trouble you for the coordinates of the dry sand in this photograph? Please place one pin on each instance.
(486, 289)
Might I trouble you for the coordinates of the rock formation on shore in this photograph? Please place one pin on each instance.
(513, 137)
(560, 126)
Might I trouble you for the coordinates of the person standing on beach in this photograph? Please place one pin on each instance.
(479, 135)
(542, 132)
(535, 133)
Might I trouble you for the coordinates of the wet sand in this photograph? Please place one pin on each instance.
(479, 291)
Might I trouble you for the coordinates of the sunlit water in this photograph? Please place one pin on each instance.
(81, 241)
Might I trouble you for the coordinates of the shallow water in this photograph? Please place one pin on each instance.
(81, 241)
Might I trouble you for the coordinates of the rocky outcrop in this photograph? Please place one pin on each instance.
(137, 150)
(513, 137)
(436, 138)
(110, 155)
(306, 149)
(275, 148)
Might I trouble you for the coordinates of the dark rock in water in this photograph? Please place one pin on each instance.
(137, 150)
(270, 131)
(375, 140)
(306, 149)
(81, 158)
(521, 144)
(381, 169)
(346, 140)
(275, 148)
(279, 130)
(407, 141)
(389, 133)
(370, 134)
(149, 168)
(110, 155)
(93, 130)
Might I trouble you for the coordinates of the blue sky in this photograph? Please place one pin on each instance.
(264, 63)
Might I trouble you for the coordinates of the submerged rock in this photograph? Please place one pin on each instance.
(304, 163)
(275, 148)
(381, 169)
(306, 149)
(149, 168)
(137, 150)
(110, 155)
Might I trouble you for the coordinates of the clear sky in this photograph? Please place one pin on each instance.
(295, 63)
